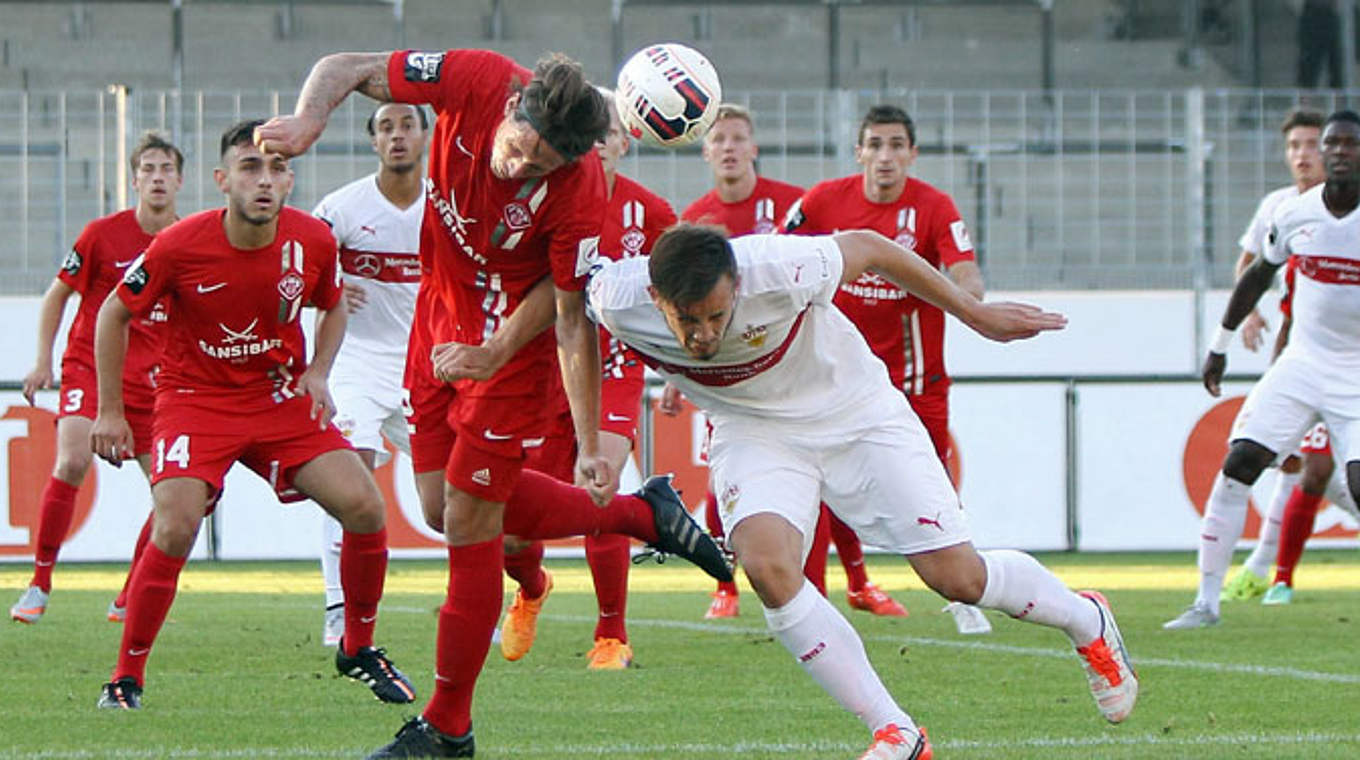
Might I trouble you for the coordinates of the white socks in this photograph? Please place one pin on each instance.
(1263, 556)
(1024, 589)
(827, 647)
(1224, 516)
(332, 533)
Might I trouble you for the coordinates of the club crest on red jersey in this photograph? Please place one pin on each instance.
(517, 216)
(632, 242)
(291, 286)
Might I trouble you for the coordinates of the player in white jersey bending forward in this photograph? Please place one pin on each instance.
(376, 221)
(803, 412)
(1317, 374)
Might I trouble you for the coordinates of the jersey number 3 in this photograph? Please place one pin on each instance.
(178, 453)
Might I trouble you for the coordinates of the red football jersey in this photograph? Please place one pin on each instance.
(486, 241)
(633, 221)
(233, 323)
(103, 252)
(904, 331)
(759, 214)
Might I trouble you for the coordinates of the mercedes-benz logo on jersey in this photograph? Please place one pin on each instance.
(517, 216)
(291, 285)
(235, 336)
(367, 265)
(633, 240)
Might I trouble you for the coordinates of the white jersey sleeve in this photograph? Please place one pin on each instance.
(1253, 239)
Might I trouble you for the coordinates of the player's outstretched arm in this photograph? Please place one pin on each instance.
(460, 361)
(331, 80)
(111, 437)
(1255, 325)
(1254, 282)
(328, 334)
(1000, 321)
(578, 355)
(49, 320)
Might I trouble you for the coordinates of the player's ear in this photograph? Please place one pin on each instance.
(511, 103)
(220, 177)
(656, 297)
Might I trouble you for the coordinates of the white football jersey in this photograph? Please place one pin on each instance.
(380, 251)
(1326, 327)
(1253, 238)
(788, 355)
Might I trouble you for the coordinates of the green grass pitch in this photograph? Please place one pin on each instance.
(238, 672)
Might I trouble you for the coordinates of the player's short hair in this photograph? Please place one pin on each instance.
(566, 110)
(153, 140)
(1302, 117)
(240, 133)
(1345, 115)
(884, 113)
(371, 125)
(734, 111)
(688, 261)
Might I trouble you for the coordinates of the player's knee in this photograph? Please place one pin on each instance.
(174, 533)
(72, 466)
(367, 514)
(775, 580)
(1317, 473)
(1246, 460)
(956, 583)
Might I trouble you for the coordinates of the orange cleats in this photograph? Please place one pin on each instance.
(30, 607)
(609, 654)
(724, 605)
(892, 743)
(521, 622)
(1114, 685)
(873, 599)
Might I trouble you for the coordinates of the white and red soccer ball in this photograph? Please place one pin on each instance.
(667, 95)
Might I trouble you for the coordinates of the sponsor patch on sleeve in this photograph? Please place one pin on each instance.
(587, 256)
(795, 217)
(72, 263)
(960, 232)
(136, 277)
(424, 67)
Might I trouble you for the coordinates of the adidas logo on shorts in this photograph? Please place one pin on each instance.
(482, 477)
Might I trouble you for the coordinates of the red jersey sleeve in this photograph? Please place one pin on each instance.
(803, 217)
(147, 278)
(949, 235)
(328, 289)
(83, 260)
(448, 79)
(660, 217)
(574, 246)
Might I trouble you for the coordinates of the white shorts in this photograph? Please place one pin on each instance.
(367, 413)
(885, 481)
(1290, 398)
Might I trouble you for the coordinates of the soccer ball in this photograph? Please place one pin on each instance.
(667, 95)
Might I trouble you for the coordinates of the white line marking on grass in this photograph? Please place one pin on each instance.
(982, 646)
(741, 748)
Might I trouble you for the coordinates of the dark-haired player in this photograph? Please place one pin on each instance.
(905, 332)
(101, 255)
(1315, 375)
(235, 385)
(376, 221)
(515, 194)
(808, 414)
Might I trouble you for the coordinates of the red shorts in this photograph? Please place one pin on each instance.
(556, 457)
(933, 409)
(621, 403)
(79, 397)
(200, 437)
(426, 405)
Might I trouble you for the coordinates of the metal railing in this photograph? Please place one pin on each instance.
(1062, 190)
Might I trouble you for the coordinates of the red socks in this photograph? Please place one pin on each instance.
(466, 621)
(542, 507)
(525, 567)
(142, 539)
(608, 556)
(151, 592)
(714, 524)
(54, 520)
(1295, 529)
(363, 569)
(851, 553)
(814, 568)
